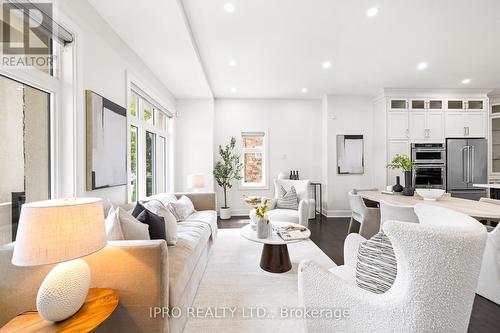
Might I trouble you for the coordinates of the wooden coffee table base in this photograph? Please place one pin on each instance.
(275, 258)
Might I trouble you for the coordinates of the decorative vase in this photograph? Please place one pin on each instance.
(398, 187)
(408, 190)
(263, 228)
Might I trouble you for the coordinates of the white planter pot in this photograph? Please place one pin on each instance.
(225, 213)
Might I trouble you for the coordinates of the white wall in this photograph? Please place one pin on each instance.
(194, 137)
(346, 115)
(294, 129)
(104, 63)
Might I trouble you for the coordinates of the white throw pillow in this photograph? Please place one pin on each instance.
(112, 225)
(164, 198)
(181, 208)
(157, 207)
(131, 228)
(288, 200)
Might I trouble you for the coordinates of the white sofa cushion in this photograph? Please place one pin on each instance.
(192, 238)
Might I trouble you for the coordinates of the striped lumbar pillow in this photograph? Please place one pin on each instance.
(288, 200)
(376, 267)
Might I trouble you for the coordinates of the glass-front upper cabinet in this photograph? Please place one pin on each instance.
(495, 141)
(432, 104)
(398, 104)
(476, 105)
(418, 104)
(435, 104)
(455, 104)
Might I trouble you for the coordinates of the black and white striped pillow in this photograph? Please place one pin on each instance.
(376, 267)
(288, 200)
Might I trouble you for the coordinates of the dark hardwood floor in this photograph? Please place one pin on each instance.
(329, 234)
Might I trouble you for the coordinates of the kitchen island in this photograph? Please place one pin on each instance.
(477, 209)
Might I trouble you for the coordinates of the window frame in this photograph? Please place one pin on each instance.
(264, 185)
(145, 126)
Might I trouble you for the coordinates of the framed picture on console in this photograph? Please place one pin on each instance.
(106, 142)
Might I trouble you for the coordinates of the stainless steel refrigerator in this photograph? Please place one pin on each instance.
(466, 164)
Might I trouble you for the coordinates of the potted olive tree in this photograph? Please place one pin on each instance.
(405, 164)
(226, 170)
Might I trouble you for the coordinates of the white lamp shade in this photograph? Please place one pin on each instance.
(53, 231)
(195, 181)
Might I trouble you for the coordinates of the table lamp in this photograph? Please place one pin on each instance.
(195, 182)
(60, 231)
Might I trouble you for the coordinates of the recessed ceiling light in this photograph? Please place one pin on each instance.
(303, 90)
(465, 81)
(372, 12)
(421, 66)
(326, 64)
(232, 63)
(229, 7)
(233, 90)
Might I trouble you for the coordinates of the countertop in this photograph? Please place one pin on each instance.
(487, 185)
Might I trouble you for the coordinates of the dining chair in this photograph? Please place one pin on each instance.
(393, 212)
(368, 217)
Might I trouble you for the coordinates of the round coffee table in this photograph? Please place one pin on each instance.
(275, 257)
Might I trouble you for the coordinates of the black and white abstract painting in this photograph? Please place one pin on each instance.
(106, 142)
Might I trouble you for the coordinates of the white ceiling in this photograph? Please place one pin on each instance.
(279, 45)
(156, 30)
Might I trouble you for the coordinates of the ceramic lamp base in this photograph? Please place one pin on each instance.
(63, 291)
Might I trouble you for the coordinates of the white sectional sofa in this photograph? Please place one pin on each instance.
(146, 274)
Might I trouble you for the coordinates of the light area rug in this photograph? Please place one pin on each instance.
(234, 281)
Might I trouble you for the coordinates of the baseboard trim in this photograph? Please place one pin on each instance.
(238, 212)
(337, 213)
(326, 213)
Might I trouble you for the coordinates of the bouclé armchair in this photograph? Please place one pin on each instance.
(438, 263)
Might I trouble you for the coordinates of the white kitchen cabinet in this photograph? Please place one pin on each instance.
(435, 126)
(465, 124)
(475, 124)
(396, 147)
(426, 126)
(418, 126)
(397, 125)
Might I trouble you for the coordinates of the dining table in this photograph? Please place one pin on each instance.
(477, 209)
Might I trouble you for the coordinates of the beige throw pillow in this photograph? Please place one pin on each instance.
(131, 228)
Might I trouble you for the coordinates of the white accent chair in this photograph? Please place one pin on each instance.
(438, 264)
(393, 212)
(300, 216)
(368, 217)
(489, 278)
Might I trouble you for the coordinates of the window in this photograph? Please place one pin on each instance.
(25, 151)
(148, 146)
(253, 157)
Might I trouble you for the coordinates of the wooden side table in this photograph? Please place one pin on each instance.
(99, 305)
